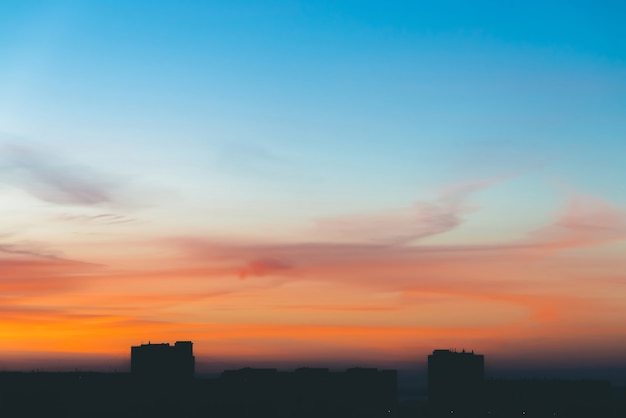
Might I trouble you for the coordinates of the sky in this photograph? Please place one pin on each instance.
(324, 182)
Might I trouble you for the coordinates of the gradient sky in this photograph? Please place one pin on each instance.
(328, 181)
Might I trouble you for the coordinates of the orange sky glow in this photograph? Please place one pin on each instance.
(547, 295)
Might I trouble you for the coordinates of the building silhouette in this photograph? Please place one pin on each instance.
(163, 360)
(457, 387)
(455, 383)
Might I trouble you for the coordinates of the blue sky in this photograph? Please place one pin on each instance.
(340, 101)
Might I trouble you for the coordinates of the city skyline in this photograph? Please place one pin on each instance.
(328, 183)
(162, 382)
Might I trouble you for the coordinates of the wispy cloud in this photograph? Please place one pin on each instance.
(37, 251)
(30, 276)
(52, 178)
(252, 160)
(404, 225)
(585, 221)
(102, 218)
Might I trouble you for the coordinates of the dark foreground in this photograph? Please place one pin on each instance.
(303, 393)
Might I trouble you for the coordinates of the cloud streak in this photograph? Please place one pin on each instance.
(51, 178)
(585, 221)
(403, 225)
(102, 218)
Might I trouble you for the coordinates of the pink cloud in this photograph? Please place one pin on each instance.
(35, 276)
(585, 221)
(262, 268)
(403, 225)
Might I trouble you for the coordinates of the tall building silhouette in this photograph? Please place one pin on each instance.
(457, 387)
(163, 360)
(455, 383)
